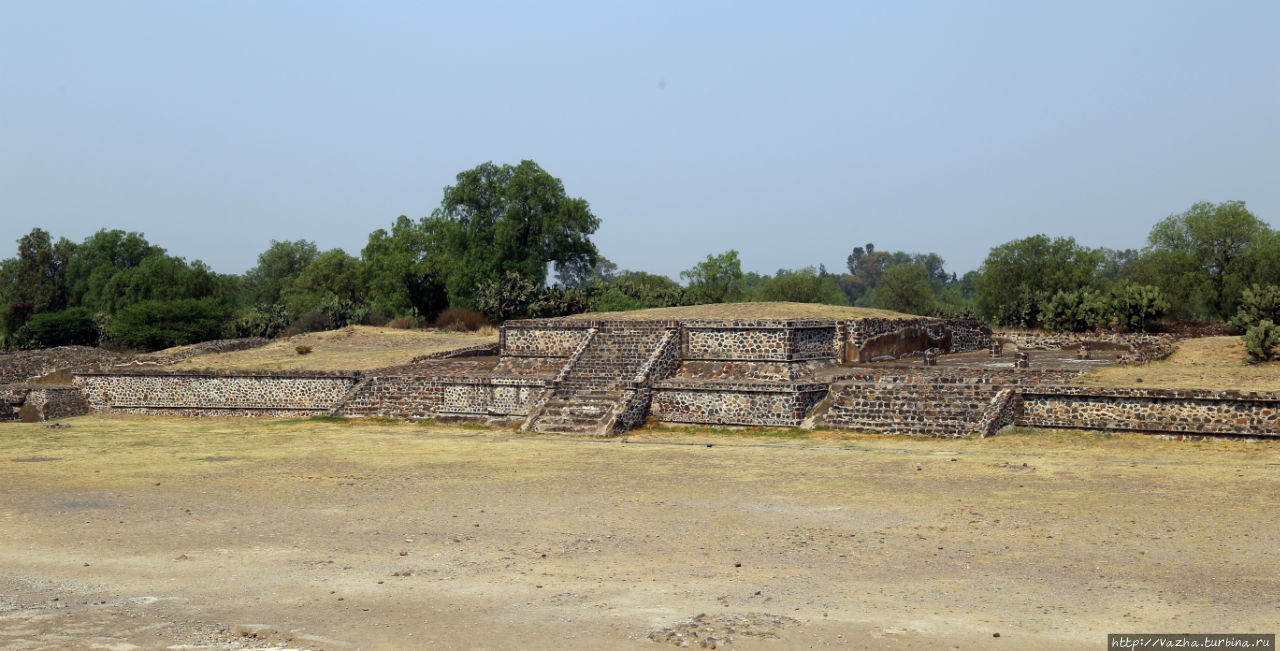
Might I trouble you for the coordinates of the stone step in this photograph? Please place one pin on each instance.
(565, 426)
(578, 411)
(954, 427)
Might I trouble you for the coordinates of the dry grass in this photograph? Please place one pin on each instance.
(778, 310)
(1205, 363)
(348, 349)
(116, 450)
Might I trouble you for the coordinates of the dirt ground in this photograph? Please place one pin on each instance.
(122, 533)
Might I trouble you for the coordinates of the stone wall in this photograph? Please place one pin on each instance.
(558, 338)
(899, 338)
(945, 409)
(752, 371)
(735, 403)
(215, 393)
(1164, 411)
(26, 365)
(410, 397)
(35, 403)
(758, 340)
(1143, 347)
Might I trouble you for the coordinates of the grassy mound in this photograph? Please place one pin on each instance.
(779, 310)
(1215, 363)
(354, 348)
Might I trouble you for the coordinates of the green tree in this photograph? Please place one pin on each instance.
(34, 282)
(1019, 277)
(718, 279)
(614, 300)
(333, 276)
(405, 270)
(648, 290)
(152, 325)
(96, 262)
(904, 288)
(160, 277)
(70, 327)
(802, 286)
(1206, 248)
(578, 275)
(516, 219)
(277, 267)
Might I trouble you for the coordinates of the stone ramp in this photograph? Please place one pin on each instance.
(919, 406)
(601, 382)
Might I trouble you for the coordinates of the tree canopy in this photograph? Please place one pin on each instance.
(501, 218)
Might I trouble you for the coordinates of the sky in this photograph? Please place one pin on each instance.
(791, 132)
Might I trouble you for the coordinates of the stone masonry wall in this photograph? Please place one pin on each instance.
(735, 403)
(869, 338)
(1143, 347)
(41, 402)
(763, 340)
(1165, 411)
(538, 339)
(215, 393)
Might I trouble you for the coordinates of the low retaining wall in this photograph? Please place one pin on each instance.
(216, 393)
(735, 403)
(1143, 347)
(1157, 411)
(411, 397)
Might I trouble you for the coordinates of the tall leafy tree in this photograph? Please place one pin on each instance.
(278, 266)
(718, 279)
(1019, 277)
(801, 286)
(405, 270)
(578, 275)
(333, 276)
(904, 288)
(98, 259)
(34, 282)
(1208, 248)
(504, 218)
(160, 277)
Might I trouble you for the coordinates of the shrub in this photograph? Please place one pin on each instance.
(613, 300)
(342, 312)
(1133, 307)
(1261, 341)
(1257, 304)
(313, 321)
(151, 325)
(463, 320)
(505, 298)
(72, 327)
(262, 321)
(374, 319)
(401, 323)
(302, 350)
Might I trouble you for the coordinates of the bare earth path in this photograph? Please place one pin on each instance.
(151, 533)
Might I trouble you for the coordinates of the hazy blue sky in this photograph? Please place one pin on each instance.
(789, 131)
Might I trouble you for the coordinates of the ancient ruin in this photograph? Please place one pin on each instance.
(603, 377)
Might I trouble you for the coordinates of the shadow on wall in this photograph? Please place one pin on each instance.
(899, 343)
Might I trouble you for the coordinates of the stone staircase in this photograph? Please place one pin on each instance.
(597, 386)
(930, 407)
